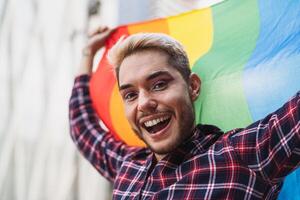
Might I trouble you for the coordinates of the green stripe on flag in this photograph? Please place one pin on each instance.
(236, 29)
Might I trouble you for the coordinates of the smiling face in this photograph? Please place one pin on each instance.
(157, 100)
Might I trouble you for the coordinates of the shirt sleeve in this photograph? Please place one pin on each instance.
(271, 146)
(100, 148)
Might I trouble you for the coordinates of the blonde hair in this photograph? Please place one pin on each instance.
(150, 41)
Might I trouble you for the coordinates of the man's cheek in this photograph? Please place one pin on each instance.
(129, 114)
(176, 100)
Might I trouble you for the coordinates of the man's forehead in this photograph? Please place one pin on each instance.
(142, 65)
(144, 56)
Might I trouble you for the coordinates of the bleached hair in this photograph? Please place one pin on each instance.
(150, 41)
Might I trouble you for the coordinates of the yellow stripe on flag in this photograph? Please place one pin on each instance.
(194, 30)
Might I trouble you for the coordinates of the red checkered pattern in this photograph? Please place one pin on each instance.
(248, 163)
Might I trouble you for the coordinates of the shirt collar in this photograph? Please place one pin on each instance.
(202, 138)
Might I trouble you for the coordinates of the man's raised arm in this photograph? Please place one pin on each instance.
(101, 149)
(271, 146)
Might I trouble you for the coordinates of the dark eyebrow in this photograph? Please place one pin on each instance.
(125, 86)
(156, 74)
(150, 77)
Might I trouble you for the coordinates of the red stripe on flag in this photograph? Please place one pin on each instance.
(103, 81)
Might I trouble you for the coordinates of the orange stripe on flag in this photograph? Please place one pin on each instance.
(155, 26)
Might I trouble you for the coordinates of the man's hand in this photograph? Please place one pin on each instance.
(96, 40)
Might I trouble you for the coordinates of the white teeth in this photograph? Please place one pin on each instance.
(155, 121)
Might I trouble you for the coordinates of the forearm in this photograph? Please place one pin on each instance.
(96, 40)
(91, 140)
(86, 62)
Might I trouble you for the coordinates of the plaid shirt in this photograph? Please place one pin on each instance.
(248, 163)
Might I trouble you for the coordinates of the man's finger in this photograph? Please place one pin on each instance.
(98, 30)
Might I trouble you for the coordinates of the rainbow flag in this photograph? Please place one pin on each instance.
(247, 54)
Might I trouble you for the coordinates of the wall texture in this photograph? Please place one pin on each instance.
(40, 44)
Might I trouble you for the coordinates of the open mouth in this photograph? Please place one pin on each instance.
(155, 125)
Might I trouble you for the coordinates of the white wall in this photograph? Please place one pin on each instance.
(40, 44)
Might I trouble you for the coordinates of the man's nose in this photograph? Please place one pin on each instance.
(146, 102)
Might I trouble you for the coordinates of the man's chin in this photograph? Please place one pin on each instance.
(160, 147)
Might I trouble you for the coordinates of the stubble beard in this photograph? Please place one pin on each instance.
(185, 124)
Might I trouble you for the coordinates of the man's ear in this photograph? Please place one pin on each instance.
(194, 86)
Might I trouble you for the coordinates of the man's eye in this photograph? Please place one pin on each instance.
(129, 96)
(160, 85)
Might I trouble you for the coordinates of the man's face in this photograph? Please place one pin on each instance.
(157, 100)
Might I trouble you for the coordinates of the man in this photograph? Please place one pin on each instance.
(182, 160)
